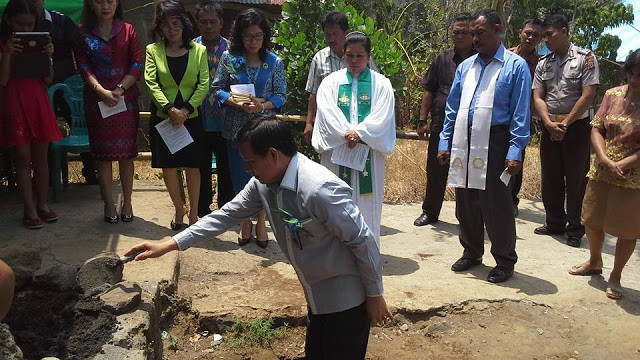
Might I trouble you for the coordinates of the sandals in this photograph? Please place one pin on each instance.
(581, 270)
(47, 216)
(614, 292)
(32, 224)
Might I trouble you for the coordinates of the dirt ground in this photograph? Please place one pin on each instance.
(474, 330)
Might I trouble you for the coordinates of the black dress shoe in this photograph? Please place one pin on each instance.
(498, 275)
(262, 243)
(90, 176)
(545, 230)
(464, 264)
(424, 219)
(243, 242)
(574, 241)
(177, 226)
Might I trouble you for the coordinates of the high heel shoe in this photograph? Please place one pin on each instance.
(111, 219)
(125, 217)
(243, 241)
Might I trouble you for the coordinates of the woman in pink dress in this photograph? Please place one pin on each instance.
(26, 118)
(111, 66)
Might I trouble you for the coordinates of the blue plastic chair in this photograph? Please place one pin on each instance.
(214, 166)
(78, 140)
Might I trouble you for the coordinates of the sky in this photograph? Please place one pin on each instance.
(630, 37)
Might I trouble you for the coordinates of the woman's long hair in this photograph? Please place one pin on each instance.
(245, 19)
(89, 18)
(13, 8)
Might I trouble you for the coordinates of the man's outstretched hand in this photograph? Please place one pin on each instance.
(377, 310)
(153, 249)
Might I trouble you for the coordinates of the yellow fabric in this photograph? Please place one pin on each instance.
(163, 88)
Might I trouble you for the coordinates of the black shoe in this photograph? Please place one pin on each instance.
(545, 230)
(424, 219)
(498, 275)
(262, 243)
(574, 241)
(177, 226)
(243, 242)
(464, 264)
(90, 176)
(111, 219)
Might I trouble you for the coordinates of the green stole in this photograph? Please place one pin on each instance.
(364, 109)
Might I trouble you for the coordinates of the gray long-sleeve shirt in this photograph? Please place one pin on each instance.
(337, 259)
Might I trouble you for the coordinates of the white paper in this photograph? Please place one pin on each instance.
(176, 137)
(355, 158)
(505, 177)
(246, 89)
(107, 111)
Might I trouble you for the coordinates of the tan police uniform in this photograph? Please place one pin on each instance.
(565, 163)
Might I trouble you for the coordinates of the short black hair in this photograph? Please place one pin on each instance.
(557, 21)
(265, 132)
(245, 19)
(209, 6)
(357, 37)
(465, 16)
(168, 9)
(336, 18)
(632, 61)
(532, 21)
(492, 16)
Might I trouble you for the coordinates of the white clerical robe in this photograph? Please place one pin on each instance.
(377, 130)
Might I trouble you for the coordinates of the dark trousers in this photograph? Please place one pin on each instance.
(491, 207)
(214, 143)
(517, 183)
(564, 168)
(336, 336)
(436, 176)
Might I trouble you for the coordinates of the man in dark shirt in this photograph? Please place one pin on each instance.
(530, 37)
(437, 83)
(66, 39)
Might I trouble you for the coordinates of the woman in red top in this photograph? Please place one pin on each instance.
(27, 121)
(111, 66)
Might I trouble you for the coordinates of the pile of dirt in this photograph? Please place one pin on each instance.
(60, 324)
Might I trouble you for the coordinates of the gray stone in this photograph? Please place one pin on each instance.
(23, 262)
(122, 298)
(50, 358)
(9, 350)
(58, 277)
(103, 268)
(111, 352)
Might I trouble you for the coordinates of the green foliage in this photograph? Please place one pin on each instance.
(299, 36)
(258, 332)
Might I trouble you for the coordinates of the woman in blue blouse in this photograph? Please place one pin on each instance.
(248, 61)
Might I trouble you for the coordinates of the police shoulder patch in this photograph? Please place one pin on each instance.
(589, 61)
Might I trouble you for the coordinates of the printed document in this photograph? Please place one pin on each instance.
(355, 158)
(176, 137)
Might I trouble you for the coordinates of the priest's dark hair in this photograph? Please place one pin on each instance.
(357, 37)
(266, 132)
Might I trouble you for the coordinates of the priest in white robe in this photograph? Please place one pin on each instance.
(486, 128)
(356, 109)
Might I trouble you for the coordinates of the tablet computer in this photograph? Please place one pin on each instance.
(32, 61)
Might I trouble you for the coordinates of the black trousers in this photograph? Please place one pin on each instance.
(436, 176)
(214, 143)
(517, 182)
(491, 208)
(564, 168)
(337, 336)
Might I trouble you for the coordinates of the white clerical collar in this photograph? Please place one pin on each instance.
(47, 15)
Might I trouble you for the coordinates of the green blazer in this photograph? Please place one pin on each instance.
(163, 88)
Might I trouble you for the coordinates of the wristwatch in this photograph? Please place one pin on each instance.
(121, 87)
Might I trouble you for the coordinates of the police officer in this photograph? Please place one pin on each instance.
(564, 86)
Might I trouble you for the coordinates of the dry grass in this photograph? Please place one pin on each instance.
(405, 174)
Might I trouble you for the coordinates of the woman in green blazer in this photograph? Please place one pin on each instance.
(177, 75)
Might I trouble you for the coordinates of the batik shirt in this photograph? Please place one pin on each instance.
(211, 112)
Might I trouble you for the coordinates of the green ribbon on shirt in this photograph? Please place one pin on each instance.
(364, 109)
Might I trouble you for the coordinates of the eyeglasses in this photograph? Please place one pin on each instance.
(208, 22)
(253, 37)
(172, 26)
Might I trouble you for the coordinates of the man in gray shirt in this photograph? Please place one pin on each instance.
(318, 228)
